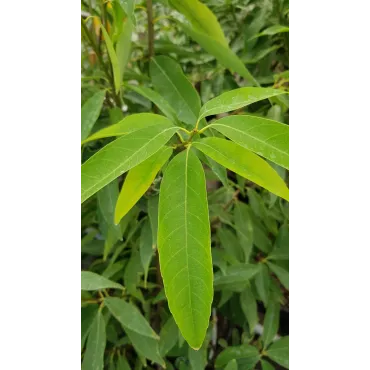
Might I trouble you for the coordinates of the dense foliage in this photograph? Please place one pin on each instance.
(185, 219)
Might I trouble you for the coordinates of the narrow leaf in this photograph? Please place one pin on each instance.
(245, 163)
(113, 58)
(267, 138)
(92, 281)
(282, 274)
(88, 315)
(96, 341)
(123, 48)
(279, 352)
(244, 228)
(248, 304)
(245, 355)
(129, 316)
(184, 246)
(129, 7)
(128, 124)
(234, 275)
(121, 155)
(138, 181)
(122, 363)
(262, 282)
(271, 323)
(90, 113)
(146, 248)
(168, 336)
(197, 359)
(153, 216)
(273, 30)
(169, 81)
(237, 98)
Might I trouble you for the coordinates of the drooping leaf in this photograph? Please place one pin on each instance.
(235, 275)
(271, 323)
(282, 274)
(170, 82)
(129, 317)
(146, 247)
(249, 306)
(237, 98)
(153, 216)
(220, 51)
(262, 282)
(96, 341)
(243, 162)
(245, 355)
(123, 48)
(279, 352)
(92, 281)
(121, 155)
(113, 59)
(267, 138)
(138, 180)
(244, 228)
(273, 30)
(201, 18)
(184, 246)
(90, 113)
(168, 336)
(157, 99)
(128, 124)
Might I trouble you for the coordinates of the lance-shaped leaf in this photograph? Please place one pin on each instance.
(232, 365)
(201, 18)
(266, 365)
(123, 48)
(92, 281)
(157, 99)
(222, 52)
(129, 124)
(138, 181)
(113, 59)
(121, 155)
(273, 30)
(168, 336)
(268, 138)
(271, 323)
(236, 99)
(129, 316)
(234, 276)
(262, 282)
(279, 352)
(245, 355)
(248, 304)
(245, 163)
(184, 246)
(244, 228)
(146, 248)
(169, 80)
(96, 341)
(129, 7)
(282, 274)
(90, 113)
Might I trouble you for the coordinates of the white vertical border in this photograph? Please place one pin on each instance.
(39, 184)
(329, 184)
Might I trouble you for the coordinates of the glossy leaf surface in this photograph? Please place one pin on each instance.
(184, 246)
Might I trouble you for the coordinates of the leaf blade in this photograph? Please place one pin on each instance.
(92, 281)
(90, 113)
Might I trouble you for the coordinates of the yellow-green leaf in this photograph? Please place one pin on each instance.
(245, 163)
(138, 181)
(184, 246)
(121, 155)
(123, 47)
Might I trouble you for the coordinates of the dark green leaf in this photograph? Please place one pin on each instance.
(245, 355)
(262, 282)
(168, 336)
(249, 306)
(234, 275)
(244, 228)
(90, 113)
(92, 281)
(279, 352)
(271, 323)
(282, 274)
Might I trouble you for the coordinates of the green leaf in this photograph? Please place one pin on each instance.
(129, 317)
(235, 99)
(232, 365)
(153, 216)
(123, 47)
(197, 359)
(170, 82)
(268, 138)
(248, 304)
(184, 246)
(96, 341)
(282, 274)
(146, 248)
(217, 169)
(271, 323)
(262, 282)
(168, 336)
(92, 281)
(234, 275)
(245, 163)
(273, 30)
(245, 355)
(129, 124)
(220, 51)
(281, 250)
(266, 365)
(157, 99)
(132, 272)
(113, 59)
(138, 181)
(279, 352)
(122, 363)
(129, 7)
(201, 18)
(230, 243)
(121, 155)
(90, 113)
(244, 228)
(87, 318)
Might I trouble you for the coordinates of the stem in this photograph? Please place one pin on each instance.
(149, 10)
(204, 129)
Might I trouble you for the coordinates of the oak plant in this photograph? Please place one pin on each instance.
(184, 184)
